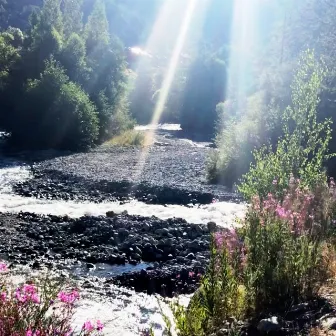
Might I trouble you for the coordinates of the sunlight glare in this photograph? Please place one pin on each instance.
(158, 29)
(243, 44)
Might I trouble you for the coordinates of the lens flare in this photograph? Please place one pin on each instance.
(243, 42)
(167, 9)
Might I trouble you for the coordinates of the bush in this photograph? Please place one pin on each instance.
(241, 127)
(303, 149)
(75, 102)
(56, 114)
(275, 260)
(39, 309)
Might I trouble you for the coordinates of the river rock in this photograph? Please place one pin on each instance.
(268, 325)
(110, 214)
(212, 226)
(329, 323)
(190, 256)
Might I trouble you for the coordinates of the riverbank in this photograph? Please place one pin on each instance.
(122, 237)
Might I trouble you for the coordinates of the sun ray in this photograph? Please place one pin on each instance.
(243, 40)
(188, 12)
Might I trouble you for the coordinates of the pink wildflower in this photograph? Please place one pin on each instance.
(275, 182)
(100, 325)
(35, 298)
(228, 239)
(20, 297)
(31, 333)
(281, 212)
(219, 239)
(256, 203)
(191, 274)
(28, 293)
(88, 326)
(3, 296)
(29, 289)
(68, 298)
(3, 267)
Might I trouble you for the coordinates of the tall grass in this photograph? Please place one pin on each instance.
(127, 138)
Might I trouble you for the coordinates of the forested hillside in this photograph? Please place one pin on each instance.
(256, 120)
(99, 52)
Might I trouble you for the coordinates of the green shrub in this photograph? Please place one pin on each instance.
(40, 307)
(242, 126)
(275, 260)
(54, 113)
(303, 149)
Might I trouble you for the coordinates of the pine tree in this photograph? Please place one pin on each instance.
(72, 17)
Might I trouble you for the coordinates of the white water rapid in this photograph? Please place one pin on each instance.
(125, 313)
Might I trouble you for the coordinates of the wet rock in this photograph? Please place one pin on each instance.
(328, 323)
(88, 284)
(190, 256)
(110, 214)
(212, 226)
(36, 265)
(90, 266)
(269, 325)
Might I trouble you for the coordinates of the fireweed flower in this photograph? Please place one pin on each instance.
(100, 325)
(29, 289)
(229, 240)
(20, 296)
(219, 239)
(256, 203)
(88, 326)
(68, 298)
(29, 332)
(3, 296)
(27, 293)
(35, 298)
(3, 267)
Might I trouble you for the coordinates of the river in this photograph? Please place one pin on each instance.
(123, 312)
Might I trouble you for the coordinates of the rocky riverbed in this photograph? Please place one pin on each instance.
(174, 253)
(172, 171)
(125, 223)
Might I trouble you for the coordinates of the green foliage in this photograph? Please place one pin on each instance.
(204, 89)
(40, 306)
(241, 128)
(219, 297)
(73, 58)
(72, 17)
(127, 138)
(96, 29)
(57, 113)
(72, 80)
(9, 53)
(275, 260)
(303, 149)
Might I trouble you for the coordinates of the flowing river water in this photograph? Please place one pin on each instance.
(123, 312)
